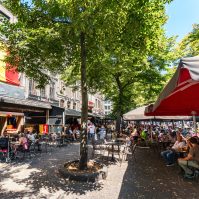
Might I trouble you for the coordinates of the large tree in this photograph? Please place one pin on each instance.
(137, 52)
(189, 46)
(137, 82)
(95, 40)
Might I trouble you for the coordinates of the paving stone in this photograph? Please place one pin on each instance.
(145, 178)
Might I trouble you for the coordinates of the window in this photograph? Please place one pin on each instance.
(106, 107)
(99, 104)
(95, 103)
(62, 103)
(52, 90)
(32, 87)
(74, 94)
(74, 105)
(62, 87)
(68, 105)
(109, 108)
(43, 92)
(77, 95)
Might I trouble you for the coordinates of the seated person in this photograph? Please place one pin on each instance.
(102, 132)
(23, 142)
(172, 137)
(122, 135)
(53, 136)
(75, 133)
(170, 154)
(143, 135)
(71, 133)
(134, 135)
(31, 137)
(192, 159)
(163, 136)
(33, 140)
(154, 137)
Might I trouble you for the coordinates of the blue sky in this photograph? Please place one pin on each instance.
(182, 15)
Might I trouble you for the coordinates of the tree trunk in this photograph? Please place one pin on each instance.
(119, 107)
(119, 113)
(84, 116)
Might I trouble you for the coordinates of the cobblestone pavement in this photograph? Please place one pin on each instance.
(147, 177)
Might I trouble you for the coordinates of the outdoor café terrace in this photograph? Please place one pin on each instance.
(143, 177)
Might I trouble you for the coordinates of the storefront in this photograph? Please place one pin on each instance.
(11, 122)
(11, 117)
(34, 121)
(17, 114)
(56, 119)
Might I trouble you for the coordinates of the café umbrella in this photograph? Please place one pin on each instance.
(181, 95)
(137, 114)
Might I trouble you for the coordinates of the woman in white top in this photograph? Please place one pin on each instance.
(170, 154)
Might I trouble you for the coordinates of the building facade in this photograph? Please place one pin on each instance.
(14, 106)
(97, 102)
(108, 107)
(28, 106)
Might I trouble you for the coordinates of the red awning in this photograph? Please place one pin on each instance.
(181, 94)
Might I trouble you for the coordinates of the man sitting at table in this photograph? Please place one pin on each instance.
(33, 140)
(31, 137)
(192, 159)
(169, 155)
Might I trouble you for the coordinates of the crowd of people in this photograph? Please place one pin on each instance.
(94, 131)
(71, 132)
(181, 144)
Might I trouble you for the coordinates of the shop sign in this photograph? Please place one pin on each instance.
(43, 128)
(11, 91)
(90, 104)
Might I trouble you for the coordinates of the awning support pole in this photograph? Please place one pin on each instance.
(47, 116)
(194, 121)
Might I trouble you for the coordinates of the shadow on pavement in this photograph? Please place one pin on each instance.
(39, 178)
(149, 178)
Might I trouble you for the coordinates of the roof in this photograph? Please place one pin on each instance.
(26, 102)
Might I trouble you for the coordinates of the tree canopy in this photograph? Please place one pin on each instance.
(117, 47)
(189, 46)
(46, 35)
